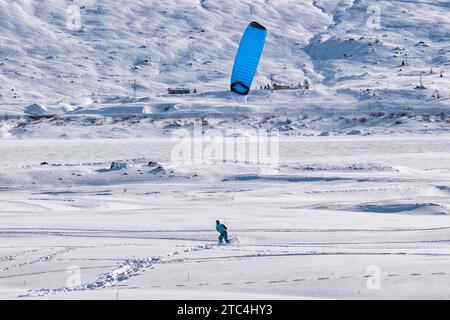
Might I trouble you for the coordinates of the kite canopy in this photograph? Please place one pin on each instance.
(247, 58)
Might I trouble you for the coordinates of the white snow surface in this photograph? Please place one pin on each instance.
(309, 228)
(87, 181)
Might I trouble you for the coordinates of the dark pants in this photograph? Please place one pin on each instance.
(223, 236)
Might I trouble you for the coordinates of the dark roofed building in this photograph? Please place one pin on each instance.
(179, 91)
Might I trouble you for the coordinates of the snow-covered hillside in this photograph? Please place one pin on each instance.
(350, 63)
(160, 43)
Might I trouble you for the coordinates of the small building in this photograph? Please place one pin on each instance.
(179, 91)
(37, 112)
(281, 86)
(38, 117)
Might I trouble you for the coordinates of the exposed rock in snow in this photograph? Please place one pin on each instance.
(120, 165)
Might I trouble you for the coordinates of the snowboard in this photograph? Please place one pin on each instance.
(232, 241)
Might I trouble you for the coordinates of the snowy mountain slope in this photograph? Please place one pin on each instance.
(161, 43)
(44, 60)
(354, 54)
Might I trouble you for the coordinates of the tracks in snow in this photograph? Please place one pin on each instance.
(41, 259)
(13, 256)
(86, 232)
(132, 267)
(128, 269)
(288, 281)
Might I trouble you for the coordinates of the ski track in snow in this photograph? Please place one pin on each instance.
(132, 267)
(128, 269)
(11, 257)
(41, 259)
(330, 277)
(116, 233)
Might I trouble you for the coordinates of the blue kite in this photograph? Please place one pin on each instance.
(247, 58)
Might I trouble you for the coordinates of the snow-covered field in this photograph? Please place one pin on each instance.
(356, 206)
(310, 228)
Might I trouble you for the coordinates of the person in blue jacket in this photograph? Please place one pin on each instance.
(222, 229)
